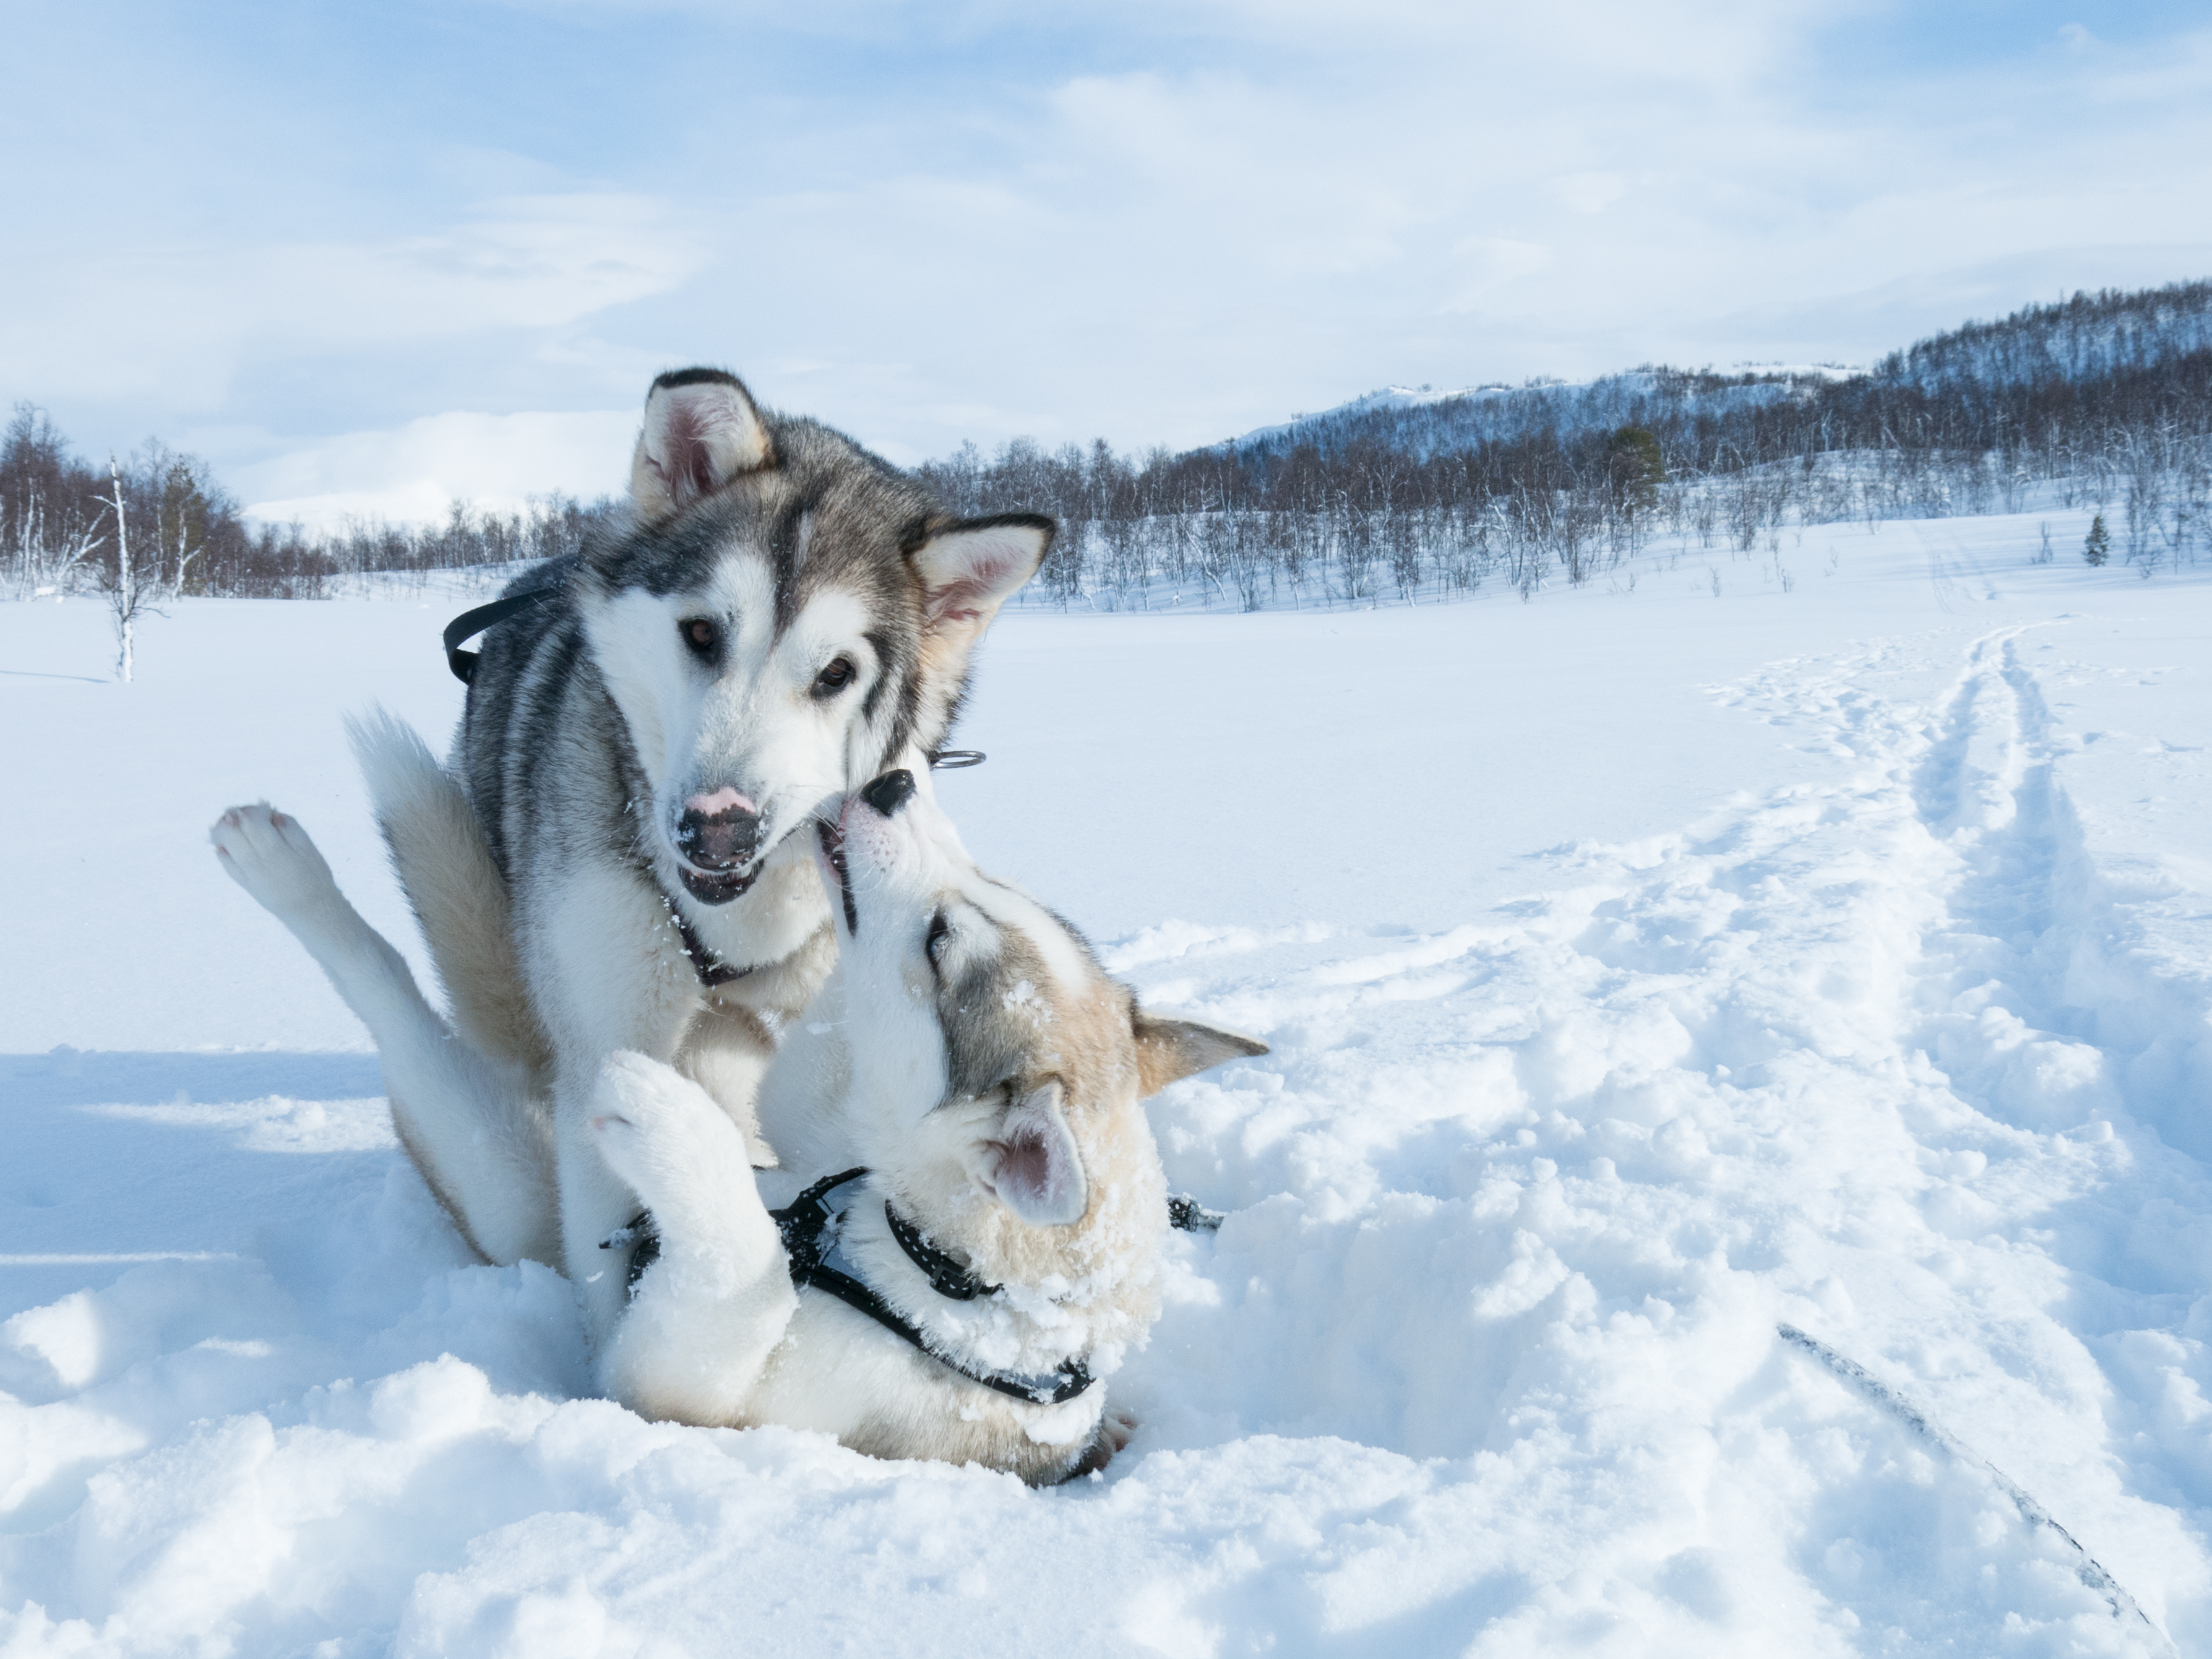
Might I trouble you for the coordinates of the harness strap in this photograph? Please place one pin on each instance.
(469, 624)
(802, 1223)
(946, 1276)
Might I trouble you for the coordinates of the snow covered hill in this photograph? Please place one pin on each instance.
(1420, 422)
(2149, 345)
(1731, 1177)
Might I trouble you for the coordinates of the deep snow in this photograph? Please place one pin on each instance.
(1645, 971)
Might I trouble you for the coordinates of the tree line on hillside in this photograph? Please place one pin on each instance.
(2103, 400)
(2109, 338)
(66, 525)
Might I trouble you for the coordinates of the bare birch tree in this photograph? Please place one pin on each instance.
(127, 593)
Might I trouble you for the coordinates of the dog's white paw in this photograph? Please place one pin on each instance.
(272, 857)
(661, 1133)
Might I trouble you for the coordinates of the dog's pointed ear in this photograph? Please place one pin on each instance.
(1168, 1049)
(701, 430)
(969, 569)
(1038, 1172)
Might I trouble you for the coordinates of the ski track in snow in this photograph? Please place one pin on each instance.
(1572, 1255)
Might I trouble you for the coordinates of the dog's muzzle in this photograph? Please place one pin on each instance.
(716, 837)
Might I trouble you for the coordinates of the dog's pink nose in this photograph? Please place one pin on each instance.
(725, 799)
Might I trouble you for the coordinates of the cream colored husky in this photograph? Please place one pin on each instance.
(980, 1252)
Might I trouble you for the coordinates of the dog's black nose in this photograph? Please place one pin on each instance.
(718, 841)
(890, 792)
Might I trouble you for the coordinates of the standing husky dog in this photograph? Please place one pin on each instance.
(962, 1288)
(785, 616)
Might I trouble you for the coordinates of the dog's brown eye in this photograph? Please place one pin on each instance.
(835, 679)
(700, 634)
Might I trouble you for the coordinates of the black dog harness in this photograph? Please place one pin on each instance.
(808, 1224)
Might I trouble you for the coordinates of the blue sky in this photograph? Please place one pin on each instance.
(365, 258)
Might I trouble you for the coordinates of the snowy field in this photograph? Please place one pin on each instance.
(1646, 971)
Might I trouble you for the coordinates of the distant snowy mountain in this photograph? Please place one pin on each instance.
(1389, 397)
(2103, 338)
(1423, 422)
(1543, 387)
(2091, 337)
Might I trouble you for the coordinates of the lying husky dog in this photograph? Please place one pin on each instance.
(626, 863)
(981, 1253)
(987, 1253)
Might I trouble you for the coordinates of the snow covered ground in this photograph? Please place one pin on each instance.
(1647, 972)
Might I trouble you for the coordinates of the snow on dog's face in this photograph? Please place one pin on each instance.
(996, 1069)
(787, 614)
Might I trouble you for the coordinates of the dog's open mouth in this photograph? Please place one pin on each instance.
(721, 886)
(833, 850)
(711, 888)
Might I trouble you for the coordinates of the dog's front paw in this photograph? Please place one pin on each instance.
(661, 1133)
(272, 857)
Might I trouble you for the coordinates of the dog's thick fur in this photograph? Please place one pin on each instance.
(968, 1050)
(785, 615)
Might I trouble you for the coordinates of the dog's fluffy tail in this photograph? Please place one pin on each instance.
(445, 867)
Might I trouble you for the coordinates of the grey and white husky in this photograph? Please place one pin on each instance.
(982, 1251)
(626, 862)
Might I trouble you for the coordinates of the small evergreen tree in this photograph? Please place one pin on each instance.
(1632, 457)
(182, 527)
(2099, 546)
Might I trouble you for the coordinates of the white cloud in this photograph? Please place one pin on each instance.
(159, 317)
(495, 462)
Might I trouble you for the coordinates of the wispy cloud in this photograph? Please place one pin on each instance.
(497, 463)
(184, 317)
